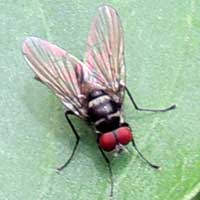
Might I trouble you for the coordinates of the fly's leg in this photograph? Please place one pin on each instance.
(148, 110)
(110, 170)
(76, 144)
(141, 155)
(144, 109)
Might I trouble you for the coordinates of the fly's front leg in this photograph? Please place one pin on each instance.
(76, 144)
(148, 110)
(141, 155)
(110, 170)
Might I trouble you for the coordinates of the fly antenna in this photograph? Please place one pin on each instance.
(140, 154)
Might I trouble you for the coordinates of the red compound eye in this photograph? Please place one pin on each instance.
(107, 141)
(124, 135)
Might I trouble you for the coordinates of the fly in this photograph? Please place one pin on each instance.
(92, 89)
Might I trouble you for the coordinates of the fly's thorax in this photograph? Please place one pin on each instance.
(103, 111)
(110, 122)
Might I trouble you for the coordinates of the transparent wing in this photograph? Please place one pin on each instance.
(105, 50)
(58, 70)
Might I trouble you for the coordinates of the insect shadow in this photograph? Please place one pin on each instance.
(55, 119)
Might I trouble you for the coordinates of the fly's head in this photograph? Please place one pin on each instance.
(116, 139)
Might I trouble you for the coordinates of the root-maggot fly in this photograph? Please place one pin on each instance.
(92, 89)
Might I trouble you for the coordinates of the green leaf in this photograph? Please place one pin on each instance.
(162, 57)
